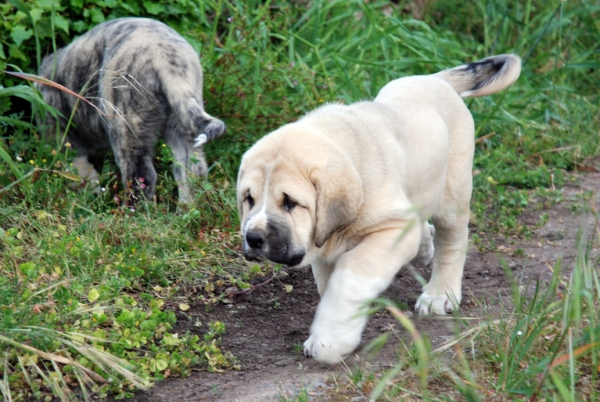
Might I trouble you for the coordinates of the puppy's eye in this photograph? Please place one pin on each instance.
(250, 200)
(288, 203)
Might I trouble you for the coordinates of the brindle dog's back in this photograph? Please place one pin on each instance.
(148, 82)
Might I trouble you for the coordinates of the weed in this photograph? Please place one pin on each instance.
(546, 349)
(298, 349)
(301, 396)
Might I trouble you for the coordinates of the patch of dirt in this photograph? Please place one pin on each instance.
(266, 327)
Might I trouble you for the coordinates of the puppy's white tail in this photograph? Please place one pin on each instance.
(483, 77)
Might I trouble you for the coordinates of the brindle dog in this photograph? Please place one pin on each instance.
(147, 81)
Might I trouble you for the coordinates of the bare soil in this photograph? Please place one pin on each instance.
(265, 327)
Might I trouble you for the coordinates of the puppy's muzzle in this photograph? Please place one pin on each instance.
(259, 246)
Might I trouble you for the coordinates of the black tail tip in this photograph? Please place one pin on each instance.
(492, 65)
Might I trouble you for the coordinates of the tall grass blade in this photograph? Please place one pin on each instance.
(8, 160)
(46, 81)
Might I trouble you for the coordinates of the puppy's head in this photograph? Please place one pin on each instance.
(295, 189)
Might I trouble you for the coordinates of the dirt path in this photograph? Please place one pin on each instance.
(265, 326)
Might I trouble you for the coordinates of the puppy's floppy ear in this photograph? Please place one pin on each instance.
(339, 197)
(240, 196)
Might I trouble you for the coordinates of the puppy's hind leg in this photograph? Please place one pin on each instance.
(443, 293)
(187, 159)
(426, 248)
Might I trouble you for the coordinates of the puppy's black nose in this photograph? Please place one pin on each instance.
(256, 239)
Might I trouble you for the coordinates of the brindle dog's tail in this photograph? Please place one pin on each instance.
(190, 112)
(483, 77)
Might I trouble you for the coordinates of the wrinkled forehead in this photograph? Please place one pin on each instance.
(271, 178)
(253, 176)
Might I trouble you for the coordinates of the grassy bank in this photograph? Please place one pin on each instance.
(89, 291)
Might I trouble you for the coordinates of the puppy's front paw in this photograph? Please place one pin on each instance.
(330, 349)
(439, 305)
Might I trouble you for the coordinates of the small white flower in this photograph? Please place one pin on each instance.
(19, 159)
(102, 189)
(519, 333)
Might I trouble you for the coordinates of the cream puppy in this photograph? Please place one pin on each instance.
(349, 190)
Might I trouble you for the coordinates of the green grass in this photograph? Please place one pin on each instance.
(88, 290)
(544, 348)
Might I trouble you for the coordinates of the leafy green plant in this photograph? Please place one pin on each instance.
(57, 289)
